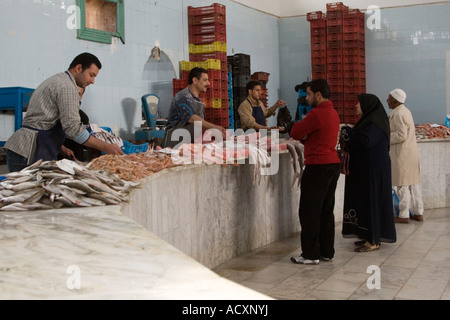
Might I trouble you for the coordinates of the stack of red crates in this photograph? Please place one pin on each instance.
(337, 55)
(354, 62)
(335, 44)
(207, 26)
(318, 44)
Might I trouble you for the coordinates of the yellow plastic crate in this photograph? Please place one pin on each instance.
(207, 48)
(207, 64)
(217, 103)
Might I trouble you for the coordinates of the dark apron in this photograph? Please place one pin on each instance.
(49, 143)
(258, 114)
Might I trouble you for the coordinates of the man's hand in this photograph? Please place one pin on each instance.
(113, 149)
(67, 153)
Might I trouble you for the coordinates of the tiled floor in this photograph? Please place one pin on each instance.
(416, 267)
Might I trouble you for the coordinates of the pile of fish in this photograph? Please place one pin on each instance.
(64, 183)
(296, 150)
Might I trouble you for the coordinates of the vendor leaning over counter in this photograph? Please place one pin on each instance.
(53, 114)
(186, 108)
(252, 111)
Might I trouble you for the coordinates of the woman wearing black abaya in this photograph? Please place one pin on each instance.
(368, 209)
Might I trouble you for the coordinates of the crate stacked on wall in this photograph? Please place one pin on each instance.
(207, 49)
(240, 70)
(337, 54)
(354, 62)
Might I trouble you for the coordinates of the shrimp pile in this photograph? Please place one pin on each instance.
(132, 167)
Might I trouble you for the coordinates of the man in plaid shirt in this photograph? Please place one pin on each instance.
(53, 115)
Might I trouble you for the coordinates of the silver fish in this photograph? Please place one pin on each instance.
(22, 207)
(35, 197)
(78, 184)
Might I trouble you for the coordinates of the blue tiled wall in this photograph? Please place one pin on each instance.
(408, 52)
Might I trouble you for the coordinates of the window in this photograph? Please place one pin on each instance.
(101, 20)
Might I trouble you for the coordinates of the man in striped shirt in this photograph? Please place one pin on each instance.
(53, 115)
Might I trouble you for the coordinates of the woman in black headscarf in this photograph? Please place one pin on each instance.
(368, 209)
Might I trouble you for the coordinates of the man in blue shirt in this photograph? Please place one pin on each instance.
(188, 108)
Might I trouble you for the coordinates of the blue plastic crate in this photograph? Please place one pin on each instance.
(129, 147)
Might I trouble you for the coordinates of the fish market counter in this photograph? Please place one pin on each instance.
(216, 212)
(98, 253)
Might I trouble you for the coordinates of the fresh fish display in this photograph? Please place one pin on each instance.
(57, 184)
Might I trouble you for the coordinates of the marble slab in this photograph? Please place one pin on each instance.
(98, 253)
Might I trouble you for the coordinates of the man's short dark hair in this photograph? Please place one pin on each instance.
(196, 73)
(252, 84)
(86, 59)
(320, 85)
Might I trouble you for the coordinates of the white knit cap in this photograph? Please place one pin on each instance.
(399, 95)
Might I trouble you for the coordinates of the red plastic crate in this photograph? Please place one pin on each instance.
(319, 75)
(318, 46)
(357, 27)
(322, 31)
(337, 96)
(179, 84)
(334, 22)
(319, 38)
(354, 44)
(334, 59)
(349, 109)
(351, 119)
(208, 19)
(320, 23)
(334, 73)
(335, 81)
(353, 13)
(314, 15)
(318, 53)
(339, 110)
(335, 14)
(198, 57)
(354, 89)
(336, 88)
(319, 60)
(335, 37)
(260, 76)
(360, 52)
(355, 59)
(207, 10)
(334, 29)
(319, 68)
(354, 82)
(354, 36)
(334, 66)
(207, 38)
(355, 68)
(208, 28)
(334, 44)
(333, 6)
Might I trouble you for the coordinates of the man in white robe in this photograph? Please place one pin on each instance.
(404, 158)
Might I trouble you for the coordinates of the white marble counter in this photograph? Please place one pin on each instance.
(47, 254)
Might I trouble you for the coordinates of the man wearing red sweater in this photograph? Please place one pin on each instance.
(318, 131)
